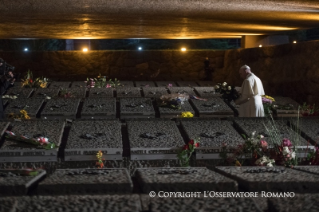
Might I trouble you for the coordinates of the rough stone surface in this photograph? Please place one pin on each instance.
(309, 127)
(128, 92)
(183, 179)
(32, 106)
(127, 84)
(46, 92)
(206, 92)
(286, 101)
(70, 203)
(212, 133)
(206, 83)
(182, 90)
(86, 181)
(309, 169)
(51, 129)
(136, 107)
(99, 108)
(213, 106)
(60, 108)
(275, 179)
(104, 134)
(301, 202)
(3, 127)
(76, 92)
(78, 84)
(101, 93)
(12, 183)
(203, 204)
(165, 83)
(154, 92)
(61, 84)
(174, 113)
(144, 84)
(163, 134)
(186, 84)
(20, 92)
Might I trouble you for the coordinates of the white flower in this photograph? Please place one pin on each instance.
(269, 164)
(293, 155)
(229, 88)
(224, 84)
(286, 150)
(216, 87)
(261, 136)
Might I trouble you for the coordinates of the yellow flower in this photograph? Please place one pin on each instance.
(237, 163)
(27, 117)
(43, 85)
(23, 112)
(187, 114)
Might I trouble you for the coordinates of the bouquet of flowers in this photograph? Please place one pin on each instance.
(65, 93)
(229, 93)
(22, 115)
(29, 82)
(185, 154)
(187, 115)
(267, 103)
(309, 110)
(101, 82)
(99, 156)
(40, 141)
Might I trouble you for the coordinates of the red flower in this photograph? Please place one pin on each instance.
(191, 142)
(197, 145)
(30, 80)
(185, 147)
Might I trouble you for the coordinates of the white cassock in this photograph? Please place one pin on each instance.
(250, 100)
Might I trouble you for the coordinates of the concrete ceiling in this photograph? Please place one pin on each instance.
(161, 19)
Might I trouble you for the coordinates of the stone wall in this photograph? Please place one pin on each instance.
(289, 70)
(124, 65)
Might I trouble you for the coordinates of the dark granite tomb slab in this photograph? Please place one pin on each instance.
(101, 93)
(5, 101)
(272, 179)
(60, 84)
(309, 128)
(15, 151)
(144, 84)
(128, 92)
(78, 84)
(32, 106)
(12, 183)
(207, 92)
(181, 90)
(72, 203)
(187, 83)
(234, 107)
(86, 138)
(203, 203)
(301, 202)
(308, 169)
(206, 83)
(127, 84)
(20, 92)
(99, 108)
(212, 133)
(213, 107)
(86, 181)
(249, 125)
(154, 92)
(46, 93)
(285, 101)
(61, 108)
(76, 92)
(154, 139)
(183, 180)
(166, 112)
(136, 108)
(165, 84)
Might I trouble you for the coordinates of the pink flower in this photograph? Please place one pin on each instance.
(170, 85)
(286, 142)
(91, 79)
(43, 140)
(263, 144)
(108, 86)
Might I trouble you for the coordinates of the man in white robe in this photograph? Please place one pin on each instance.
(251, 91)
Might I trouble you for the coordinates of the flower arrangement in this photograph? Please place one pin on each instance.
(309, 110)
(267, 103)
(65, 93)
(229, 93)
(40, 141)
(187, 115)
(101, 82)
(99, 156)
(185, 154)
(22, 115)
(29, 82)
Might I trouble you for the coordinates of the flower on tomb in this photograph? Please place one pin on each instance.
(286, 142)
(186, 152)
(108, 86)
(286, 150)
(237, 163)
(196, 144)
(185, 147)
(187, 115)
(170, 85)
(191, 142)
(263, 144)
(264, 160)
